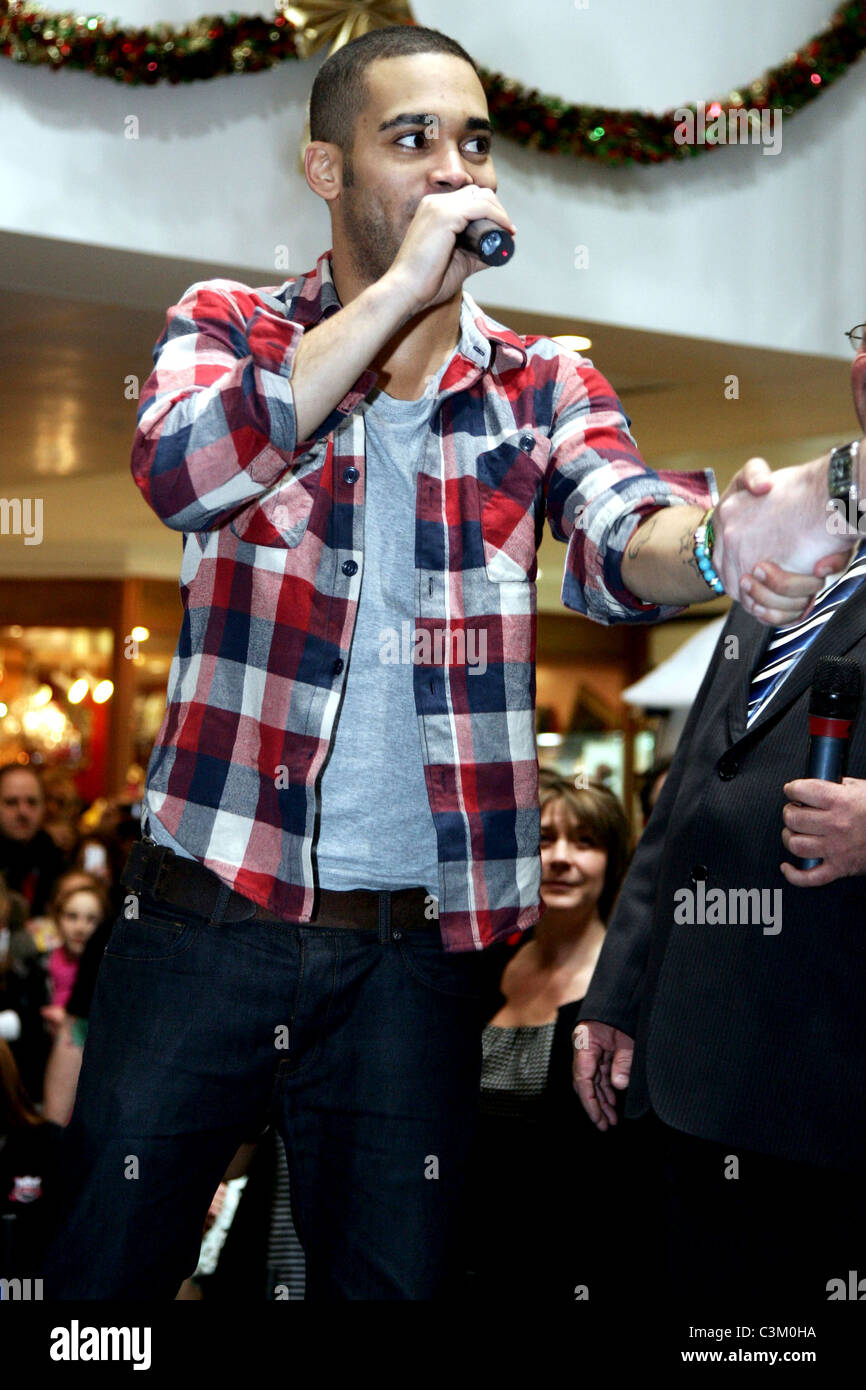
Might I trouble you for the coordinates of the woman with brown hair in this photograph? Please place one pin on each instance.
(541, 1175)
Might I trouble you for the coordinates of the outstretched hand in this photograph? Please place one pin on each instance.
(783, 514)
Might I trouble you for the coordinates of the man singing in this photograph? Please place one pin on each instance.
(334, 834)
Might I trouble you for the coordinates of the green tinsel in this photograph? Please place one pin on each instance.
(215, 46)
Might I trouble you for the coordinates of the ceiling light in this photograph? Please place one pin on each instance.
(573, 342)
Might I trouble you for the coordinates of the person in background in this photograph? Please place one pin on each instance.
(64, 1064)
(78, 911)
(30, 861)
(651, 785)
(101, 854)
(17, 916)
(28, 1165)
(539, 1167)
(120, 828)
(729, 996)
(43, 929)
(120, 817)
(62, 807)
(61, 1066)
(23, 992)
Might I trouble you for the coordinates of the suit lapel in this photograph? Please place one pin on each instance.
(753, 639)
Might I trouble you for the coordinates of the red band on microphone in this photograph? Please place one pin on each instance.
(821, 727)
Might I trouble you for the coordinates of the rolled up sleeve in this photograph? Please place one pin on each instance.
(216, 421)
(599, 490)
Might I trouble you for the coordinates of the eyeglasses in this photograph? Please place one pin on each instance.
(855, 336)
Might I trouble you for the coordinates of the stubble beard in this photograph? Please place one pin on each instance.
(372, 242)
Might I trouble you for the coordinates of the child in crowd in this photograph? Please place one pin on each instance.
(78, 908)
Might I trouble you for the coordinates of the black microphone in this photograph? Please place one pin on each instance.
(487, 240)
(833, 705)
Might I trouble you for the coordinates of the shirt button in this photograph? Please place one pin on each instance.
(526, 442)
(396, 934)
(350, 566)
(727, 768)
(699, 873)
(338, 666)
(351, 475)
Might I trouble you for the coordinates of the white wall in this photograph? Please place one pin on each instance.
(734, 245)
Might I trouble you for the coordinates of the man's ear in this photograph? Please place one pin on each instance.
(323, 169)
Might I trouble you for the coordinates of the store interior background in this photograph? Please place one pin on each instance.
(732, 264)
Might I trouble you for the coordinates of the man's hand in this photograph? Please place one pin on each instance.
(602, 1061)
(782, 514)
(430, 267)
(827, 821)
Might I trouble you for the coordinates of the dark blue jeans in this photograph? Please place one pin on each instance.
(363, 1048)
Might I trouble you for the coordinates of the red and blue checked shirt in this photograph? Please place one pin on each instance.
(273, 559)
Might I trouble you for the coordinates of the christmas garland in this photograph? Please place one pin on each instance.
(215, 46)
(210, 47)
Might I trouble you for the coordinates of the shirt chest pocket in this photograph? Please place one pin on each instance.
(280, 516)
(510, 490)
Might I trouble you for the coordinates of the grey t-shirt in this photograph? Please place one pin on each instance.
(376, 828)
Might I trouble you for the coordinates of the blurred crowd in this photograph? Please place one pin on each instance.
(60, 867)
(541, 1192)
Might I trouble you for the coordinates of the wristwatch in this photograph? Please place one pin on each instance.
(843, 483)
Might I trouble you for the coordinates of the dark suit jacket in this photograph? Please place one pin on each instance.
(753, 1039)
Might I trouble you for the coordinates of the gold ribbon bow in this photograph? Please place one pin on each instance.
(336, 23)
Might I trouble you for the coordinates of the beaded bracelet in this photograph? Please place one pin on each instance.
(703, 547)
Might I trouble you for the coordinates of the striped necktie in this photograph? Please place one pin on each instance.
(788, 643)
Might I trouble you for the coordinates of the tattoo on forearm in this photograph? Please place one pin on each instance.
(687, 553)
(641, 537)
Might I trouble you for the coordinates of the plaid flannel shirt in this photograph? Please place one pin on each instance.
(273, 561)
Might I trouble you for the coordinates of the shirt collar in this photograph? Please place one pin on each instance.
(484, 342)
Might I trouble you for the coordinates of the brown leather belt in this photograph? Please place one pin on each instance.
(187, 884)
